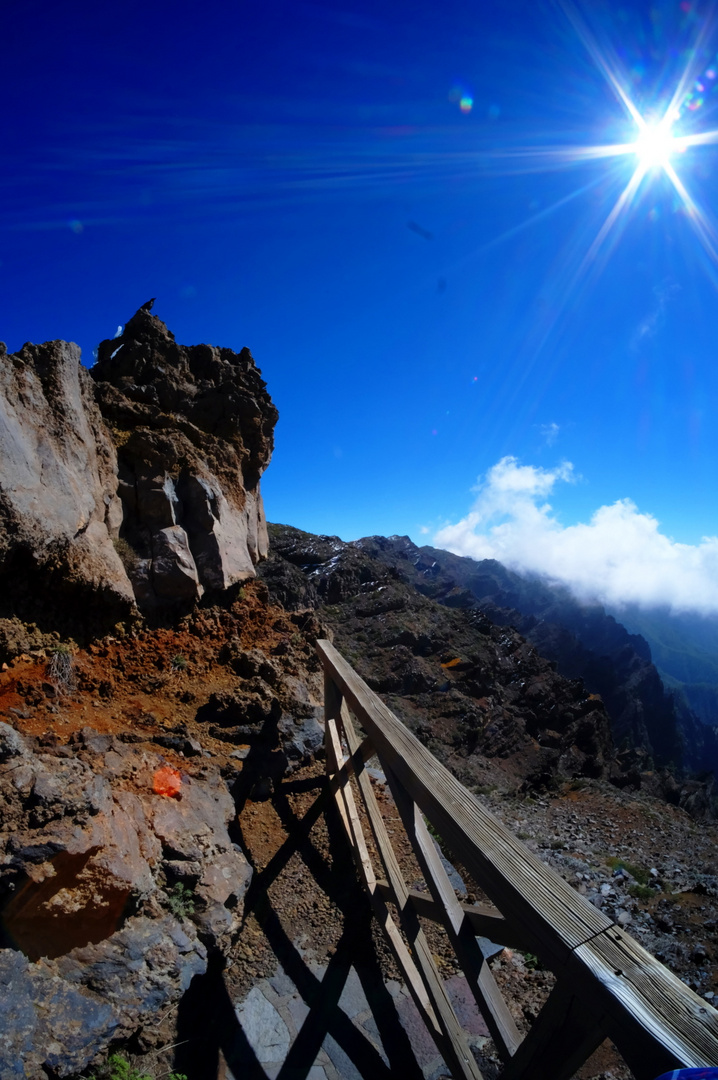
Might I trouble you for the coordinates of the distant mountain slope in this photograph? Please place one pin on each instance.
(684, 648)
(582, 640)
(585, 641)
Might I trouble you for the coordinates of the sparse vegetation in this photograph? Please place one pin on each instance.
(180, 901)
(119, 1068)
(61, 667)
(128, 556)
(637, 873)
(641, 892)
(179, 662)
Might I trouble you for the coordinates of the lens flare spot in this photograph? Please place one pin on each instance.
(654, 146)
(466, 104)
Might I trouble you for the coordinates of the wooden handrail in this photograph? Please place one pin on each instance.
(609, 985)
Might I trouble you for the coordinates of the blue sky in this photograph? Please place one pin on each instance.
(420, 280)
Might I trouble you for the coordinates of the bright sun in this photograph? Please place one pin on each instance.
(654, 146)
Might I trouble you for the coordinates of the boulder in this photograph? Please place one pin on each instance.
(59, 508)
(194, 432)
(94, 937)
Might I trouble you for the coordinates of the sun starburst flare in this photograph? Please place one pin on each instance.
(655, 143)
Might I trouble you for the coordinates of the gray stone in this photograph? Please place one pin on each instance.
(200, 426)
(353, 999)
(174, 572)
(263, 1027)
(12, 743)
(341, 1061)
(282, 984)
(46, 1022)
(302, 737)
(58, 479)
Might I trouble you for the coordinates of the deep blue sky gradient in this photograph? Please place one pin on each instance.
(260, 170)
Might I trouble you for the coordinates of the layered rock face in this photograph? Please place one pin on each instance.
(193, 427)
(58, 487)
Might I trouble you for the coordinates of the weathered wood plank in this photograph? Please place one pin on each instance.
(656, 1021)
(453, 1047)
(562, 1037)
(355, 835)
(473, 963)
(484, 920)
(647, 1008)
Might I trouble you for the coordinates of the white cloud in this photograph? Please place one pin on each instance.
(549, 433)
(619, 557)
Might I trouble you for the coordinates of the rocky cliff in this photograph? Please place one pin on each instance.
(59, 507)
(133, 485)
(193, 428)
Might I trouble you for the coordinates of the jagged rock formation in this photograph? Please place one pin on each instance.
(58, 489)
(193, 428)
(153, 498)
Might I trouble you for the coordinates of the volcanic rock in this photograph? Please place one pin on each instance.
(193, 428)
(59, 508)
(92, 936)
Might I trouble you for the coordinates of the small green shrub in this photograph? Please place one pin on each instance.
(180, 901)
(179, 662)
(119, 1068)
(641, 892)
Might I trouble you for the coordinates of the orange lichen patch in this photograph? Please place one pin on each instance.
(167, 781)
(452, 663)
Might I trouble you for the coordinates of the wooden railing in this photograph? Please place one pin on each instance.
(607, 984)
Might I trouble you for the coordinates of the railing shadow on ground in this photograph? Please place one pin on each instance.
(207, 1021)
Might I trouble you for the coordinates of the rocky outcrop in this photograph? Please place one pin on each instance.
(116, 873)
(59, 508)
(193, 427)
(151, 499)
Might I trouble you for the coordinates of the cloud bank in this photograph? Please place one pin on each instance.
(619, 557)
